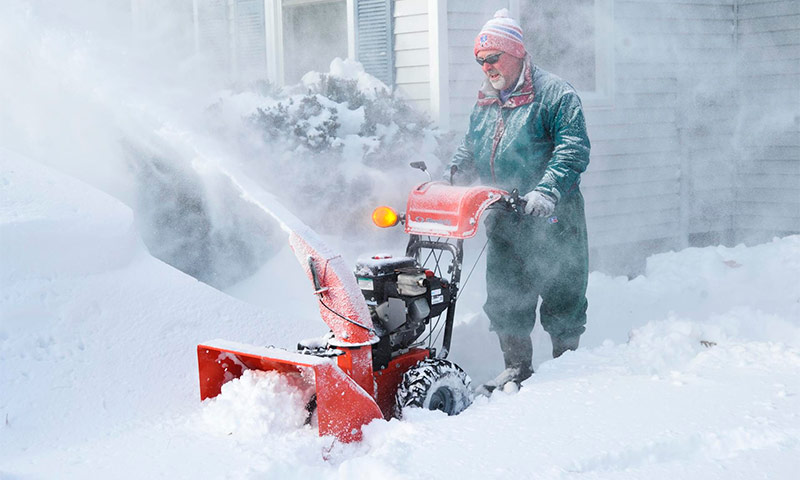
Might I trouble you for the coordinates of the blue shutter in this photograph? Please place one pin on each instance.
(374, 45)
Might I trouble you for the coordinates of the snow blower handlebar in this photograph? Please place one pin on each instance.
(512, 202)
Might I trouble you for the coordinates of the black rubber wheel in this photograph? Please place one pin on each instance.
(435, 384)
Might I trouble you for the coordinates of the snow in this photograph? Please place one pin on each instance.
(350, 70)
(259, 404)
(690, 370)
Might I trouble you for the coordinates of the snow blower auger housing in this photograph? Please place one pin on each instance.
(376, 360)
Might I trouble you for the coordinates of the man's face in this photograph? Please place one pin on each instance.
(505, 72)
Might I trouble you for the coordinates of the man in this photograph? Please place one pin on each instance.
(527, 132)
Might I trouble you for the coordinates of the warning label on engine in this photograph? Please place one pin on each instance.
(366, 284)
(436, 296)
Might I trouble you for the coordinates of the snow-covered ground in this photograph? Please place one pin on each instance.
(689, 371)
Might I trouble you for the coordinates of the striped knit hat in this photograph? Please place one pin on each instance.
(501, 33)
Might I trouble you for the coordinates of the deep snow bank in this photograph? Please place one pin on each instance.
(94, 332)
(52, 225)
(691, 370)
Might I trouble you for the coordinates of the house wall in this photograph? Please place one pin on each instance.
(411, 52)
(701, 142)
(464, 21)
(767, 190)
(662, 158)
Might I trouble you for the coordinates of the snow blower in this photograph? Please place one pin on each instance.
(379, 357)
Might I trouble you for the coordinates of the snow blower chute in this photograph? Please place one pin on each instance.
(377, 359)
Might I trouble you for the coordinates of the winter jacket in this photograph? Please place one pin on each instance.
(537, 139)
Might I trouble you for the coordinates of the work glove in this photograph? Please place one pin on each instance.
(539, 204)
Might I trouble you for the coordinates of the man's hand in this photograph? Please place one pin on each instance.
(539, 204)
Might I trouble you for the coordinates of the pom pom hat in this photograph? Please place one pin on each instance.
(501, 33)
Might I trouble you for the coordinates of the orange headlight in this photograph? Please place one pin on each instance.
(384, 217)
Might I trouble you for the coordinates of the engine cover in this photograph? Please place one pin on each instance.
(402, 298)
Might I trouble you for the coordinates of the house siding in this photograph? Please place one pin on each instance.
(411, 50)
(691, 79)
(767, 190)
(464, 21)
(641, 188)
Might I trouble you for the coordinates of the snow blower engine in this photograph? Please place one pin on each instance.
(391, 324)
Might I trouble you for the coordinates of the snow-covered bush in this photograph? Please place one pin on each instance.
(306, 123)
(337, 143)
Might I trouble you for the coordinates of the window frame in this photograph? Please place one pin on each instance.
(603, 94)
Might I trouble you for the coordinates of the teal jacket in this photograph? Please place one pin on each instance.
(536, 140)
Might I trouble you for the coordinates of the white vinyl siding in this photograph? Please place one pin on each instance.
(411, 51)
(696, 143)
(768, 177)
(662, 162)
(464, 21)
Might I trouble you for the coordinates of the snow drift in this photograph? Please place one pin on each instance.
(692, 369)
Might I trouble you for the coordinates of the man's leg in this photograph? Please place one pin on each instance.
(563, 316)
(511, 302)
(564, 304)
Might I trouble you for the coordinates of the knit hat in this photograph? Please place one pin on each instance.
(501, 33)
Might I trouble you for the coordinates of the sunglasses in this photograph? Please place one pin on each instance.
(491, 59)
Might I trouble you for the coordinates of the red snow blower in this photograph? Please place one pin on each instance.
(379, 357)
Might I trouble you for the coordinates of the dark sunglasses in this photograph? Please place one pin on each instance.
(491, 59)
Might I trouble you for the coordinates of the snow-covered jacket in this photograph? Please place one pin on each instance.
(536, 139)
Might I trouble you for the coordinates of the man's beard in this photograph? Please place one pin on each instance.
(499, 83)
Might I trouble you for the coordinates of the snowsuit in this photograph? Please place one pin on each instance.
(536, 140)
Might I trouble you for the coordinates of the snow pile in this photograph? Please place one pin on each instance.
(260, 404)
(691, 370)
(737, 293)
(348, 69)
(94, 332)
(92, 234)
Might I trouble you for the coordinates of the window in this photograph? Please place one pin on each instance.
(314, 33)
(574, 40)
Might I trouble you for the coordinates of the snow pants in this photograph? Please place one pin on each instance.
(528, 257)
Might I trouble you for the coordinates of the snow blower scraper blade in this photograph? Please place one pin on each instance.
(343, 407)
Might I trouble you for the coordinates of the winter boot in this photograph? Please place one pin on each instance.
(561, 345)
(517, 355)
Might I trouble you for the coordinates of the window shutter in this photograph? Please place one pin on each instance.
(251, 54)
(374, 45)
(212, 30)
